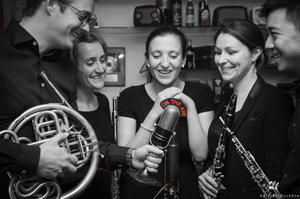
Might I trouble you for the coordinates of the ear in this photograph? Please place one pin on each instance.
(256, 53)
(51, 6)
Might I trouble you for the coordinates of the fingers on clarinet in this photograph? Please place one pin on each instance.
(206, 191)
(206, 184)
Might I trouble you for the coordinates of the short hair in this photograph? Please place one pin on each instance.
(247, 33)
(86, 37)
(33, 5)
(165, 30)
(292, 10)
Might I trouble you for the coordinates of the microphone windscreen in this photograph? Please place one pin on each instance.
(169, 118)
(165, 127)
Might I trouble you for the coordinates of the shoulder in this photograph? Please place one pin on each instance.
(271, 92)
(101, 97)
(133, 91)
(197, 89)
(271, 96)
(5, 38)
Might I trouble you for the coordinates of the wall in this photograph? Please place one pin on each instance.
(119, 13)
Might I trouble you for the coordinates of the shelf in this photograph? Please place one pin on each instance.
(147, 30)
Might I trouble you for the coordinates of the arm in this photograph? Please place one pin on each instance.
(197, 128)
(49, 160)
(119, 156)
(14, 155)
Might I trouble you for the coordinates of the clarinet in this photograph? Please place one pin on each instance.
(268, 188)
(115, 189)
(215, 169)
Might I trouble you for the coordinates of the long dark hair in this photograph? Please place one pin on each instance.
(247, 33)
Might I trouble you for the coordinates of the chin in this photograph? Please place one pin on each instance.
(97, 85)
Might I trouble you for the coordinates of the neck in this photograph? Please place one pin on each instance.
(243, 87)
(157, 87)
(86, 99)
(37, 27)
(154, 87)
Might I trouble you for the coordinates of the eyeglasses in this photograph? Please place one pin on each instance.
(84, 17)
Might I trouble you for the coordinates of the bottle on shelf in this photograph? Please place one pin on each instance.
(190, 57)
(166, 11)
(204, 13)
(189, 17)
(177, 13)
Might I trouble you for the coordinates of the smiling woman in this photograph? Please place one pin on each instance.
(261, 116)
(139, 109)
(89, 55)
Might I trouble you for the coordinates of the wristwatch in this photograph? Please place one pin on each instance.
(129, 157)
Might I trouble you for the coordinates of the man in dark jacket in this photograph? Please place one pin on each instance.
(283, 25)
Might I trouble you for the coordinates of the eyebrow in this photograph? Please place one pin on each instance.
(270, 28)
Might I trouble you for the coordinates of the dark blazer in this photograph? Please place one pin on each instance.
(290, 184)
(261, 126)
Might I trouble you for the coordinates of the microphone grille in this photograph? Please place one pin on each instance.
(169, 118)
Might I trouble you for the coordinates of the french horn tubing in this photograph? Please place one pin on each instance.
(48, 120)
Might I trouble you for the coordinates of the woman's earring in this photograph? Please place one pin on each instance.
(182, 65)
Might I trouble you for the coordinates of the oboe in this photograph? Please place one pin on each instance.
(218, 163)
(115, 191)
(268, 188)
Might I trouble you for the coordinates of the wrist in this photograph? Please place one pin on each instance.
(129, 155)
(147, 128)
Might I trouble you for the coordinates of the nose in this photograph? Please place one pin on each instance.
(165, 62)
(221, 58)
(86, 27)
(101, 68)
(269, 43)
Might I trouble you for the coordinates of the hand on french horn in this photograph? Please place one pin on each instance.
(54, 160)
(147, 156)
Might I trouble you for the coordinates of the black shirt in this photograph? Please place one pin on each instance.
(22, 87)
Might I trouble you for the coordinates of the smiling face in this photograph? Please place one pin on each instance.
(66, 24)
(165, 58)
(91, 65)
(283, 40)
(233, 58)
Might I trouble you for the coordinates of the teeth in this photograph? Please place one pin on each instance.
(165, 72)
(227, 68)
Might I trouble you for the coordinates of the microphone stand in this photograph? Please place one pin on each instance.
(171, 169)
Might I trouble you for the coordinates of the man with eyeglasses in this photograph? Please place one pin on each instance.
(41, 42)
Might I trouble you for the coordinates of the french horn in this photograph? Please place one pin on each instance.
(47, 120)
